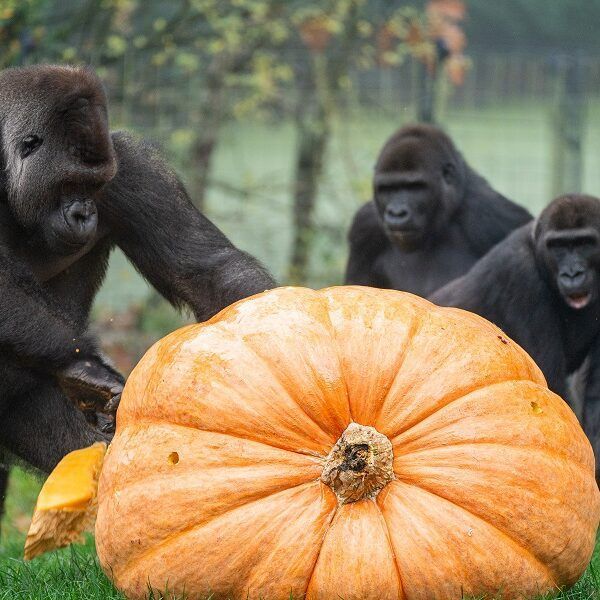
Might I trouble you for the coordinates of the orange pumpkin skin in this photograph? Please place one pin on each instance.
(213, 481)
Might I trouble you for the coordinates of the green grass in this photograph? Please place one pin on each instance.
(74, 574)
(69, 574)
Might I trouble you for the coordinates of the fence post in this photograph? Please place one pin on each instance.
(427, 94)
(569, 126)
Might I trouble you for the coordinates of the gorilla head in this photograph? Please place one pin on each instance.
(55, 154)
(567, 242)
(418, 184)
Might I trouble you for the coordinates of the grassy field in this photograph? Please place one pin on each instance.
(74, 574)
(510, 145)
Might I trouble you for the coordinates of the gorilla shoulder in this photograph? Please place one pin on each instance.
(367, 241)
(366, 231)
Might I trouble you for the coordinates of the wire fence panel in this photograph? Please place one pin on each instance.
(504, 119)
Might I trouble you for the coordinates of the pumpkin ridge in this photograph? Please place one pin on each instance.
(391, 546)
(316, 459)
(162, 349)
(149, 480)
(413, 329)
(535, 372)
(502, 533)
(289, 395)
(334, 343)
(175, 536)
(445, 424)
(327, 529)
(451, 399)
(237, 437)
(448, 423)
(339, 322)
(513, 446)
(411, 481)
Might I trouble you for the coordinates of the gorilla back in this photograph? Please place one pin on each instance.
(541, 285)
(70, 192)
(431, 219)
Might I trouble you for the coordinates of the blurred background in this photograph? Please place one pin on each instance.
(273, 111)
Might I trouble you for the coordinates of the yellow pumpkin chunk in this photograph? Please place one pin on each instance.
(66, 506)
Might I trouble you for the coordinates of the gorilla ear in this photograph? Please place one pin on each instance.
(449, 173)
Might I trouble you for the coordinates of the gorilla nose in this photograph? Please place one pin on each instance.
(398, 215)
(82, 218)
(573, 278)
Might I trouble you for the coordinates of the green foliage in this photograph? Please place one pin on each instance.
(16, 36)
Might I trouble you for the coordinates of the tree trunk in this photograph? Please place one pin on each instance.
(202, 153)
(313, 126)
(208, 125)
(569, 127)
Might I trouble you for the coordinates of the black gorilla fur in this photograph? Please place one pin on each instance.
(431, 219)
(541, 285)
(70, 192)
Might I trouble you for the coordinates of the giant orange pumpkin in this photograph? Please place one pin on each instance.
(349, 443)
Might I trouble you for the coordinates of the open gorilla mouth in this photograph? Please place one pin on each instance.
(579, 300)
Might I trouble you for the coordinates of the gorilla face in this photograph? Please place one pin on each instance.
(56, 152)
(416, 186)
(568, 243)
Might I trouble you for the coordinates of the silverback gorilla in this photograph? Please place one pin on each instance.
(431, 219)
(541, 285)
(70, 192)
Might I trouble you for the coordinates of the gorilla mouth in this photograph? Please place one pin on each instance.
(403, 231)
(579, 301)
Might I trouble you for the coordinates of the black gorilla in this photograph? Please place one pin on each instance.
(431, 219)
(541, 285)
(70, 192)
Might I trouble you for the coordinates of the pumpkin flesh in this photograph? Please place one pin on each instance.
(66, 506)
(214, 481)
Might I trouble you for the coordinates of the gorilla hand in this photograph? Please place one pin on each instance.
(92, 385)
(103, 423)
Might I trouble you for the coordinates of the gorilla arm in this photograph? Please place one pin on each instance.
(591, 402)
(36, 334)
(31, 328)
(181, 253)
(367, 242)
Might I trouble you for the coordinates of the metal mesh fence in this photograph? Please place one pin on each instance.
(504, 120)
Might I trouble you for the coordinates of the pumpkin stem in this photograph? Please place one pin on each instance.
(359, 465)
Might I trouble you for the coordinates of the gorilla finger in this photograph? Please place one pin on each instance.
(107, 423)
(111, 406)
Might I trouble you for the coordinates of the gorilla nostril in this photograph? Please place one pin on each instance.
(574, 274)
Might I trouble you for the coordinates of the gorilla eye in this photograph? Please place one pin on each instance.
(448, 172)
(29, 145)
